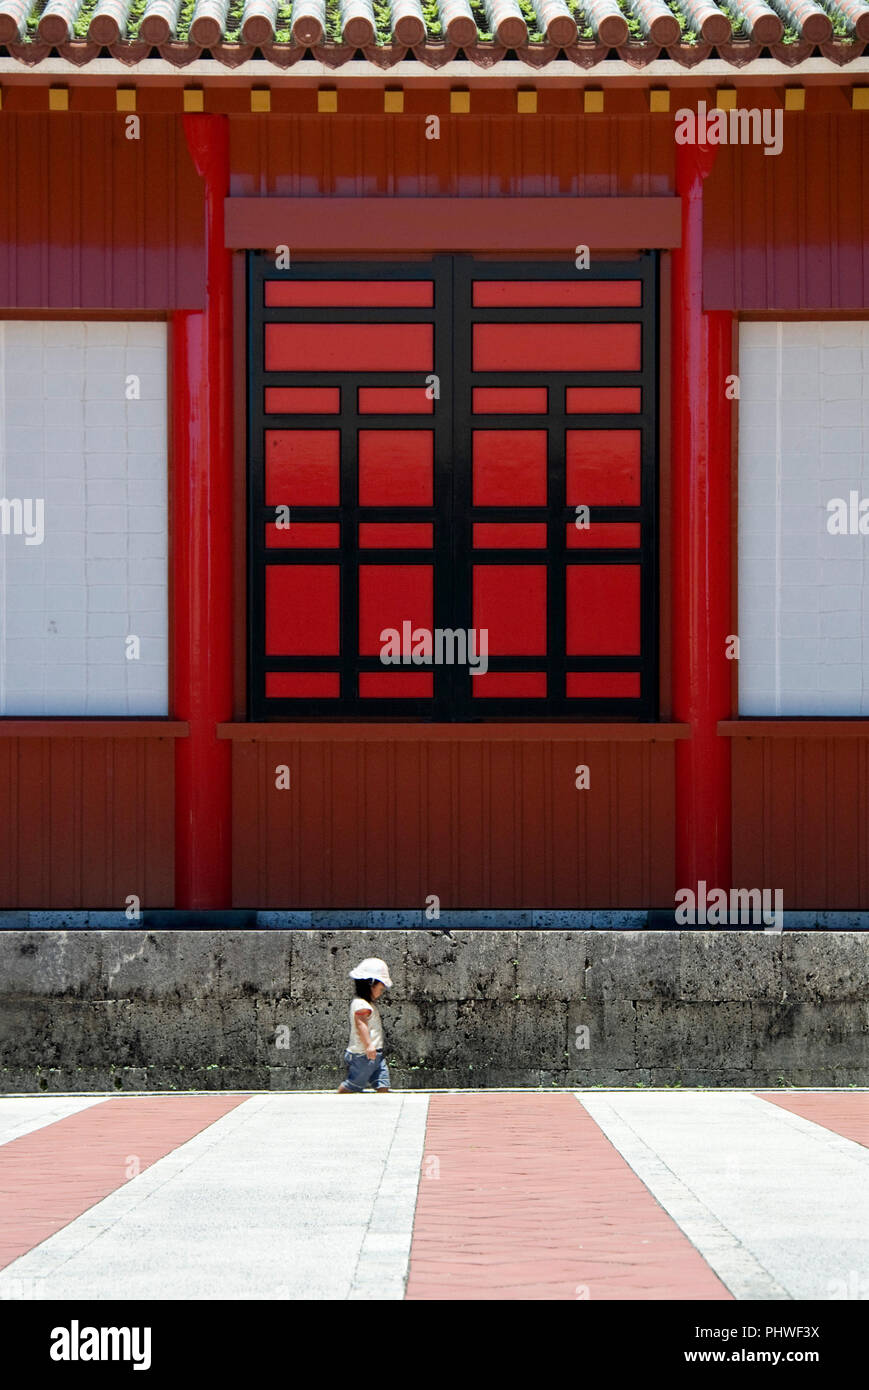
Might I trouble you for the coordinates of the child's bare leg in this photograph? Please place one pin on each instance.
(343, 1090)
(383, 1090)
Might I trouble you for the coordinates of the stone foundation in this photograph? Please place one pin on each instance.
(139, 1010)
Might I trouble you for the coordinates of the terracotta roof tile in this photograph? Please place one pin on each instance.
(434, 31)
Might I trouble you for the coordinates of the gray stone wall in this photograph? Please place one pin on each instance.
(138, 1010)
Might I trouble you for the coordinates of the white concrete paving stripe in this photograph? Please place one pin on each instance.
(29, 1277)
(381, 1271)
(286, 1197)
(21, 1115)
(778, 1206)
(735, 1266)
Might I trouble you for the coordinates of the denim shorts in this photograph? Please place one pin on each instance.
(362, 1072)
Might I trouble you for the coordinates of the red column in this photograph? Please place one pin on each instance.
(701, 547)
(201, 359)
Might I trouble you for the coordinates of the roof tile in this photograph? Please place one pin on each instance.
(434, 30)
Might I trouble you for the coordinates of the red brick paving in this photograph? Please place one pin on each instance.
(843, 1112)
(532, 1201)
(51, 1176)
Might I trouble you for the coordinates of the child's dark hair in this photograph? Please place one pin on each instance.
(363, 989)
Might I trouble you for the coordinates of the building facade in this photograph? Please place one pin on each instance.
(527, 347)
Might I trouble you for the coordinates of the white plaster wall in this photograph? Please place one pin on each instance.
(69, 435)
(803, 593)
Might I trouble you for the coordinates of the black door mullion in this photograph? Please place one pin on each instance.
(556, 570)
(444, 568)
(348, 557)
(462, 563)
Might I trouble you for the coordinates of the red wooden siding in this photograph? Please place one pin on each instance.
(92, 220)
(482, 816)
(801, 819)
(790, 231)
(86, 821)
(476, 156)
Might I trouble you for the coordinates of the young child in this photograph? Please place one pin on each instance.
(364, 1055)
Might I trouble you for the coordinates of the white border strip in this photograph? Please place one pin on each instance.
(735, 1266)
(160, 72)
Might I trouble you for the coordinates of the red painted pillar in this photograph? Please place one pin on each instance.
(202, 548)
(702, 547)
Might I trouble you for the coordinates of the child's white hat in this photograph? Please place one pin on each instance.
(372, 968)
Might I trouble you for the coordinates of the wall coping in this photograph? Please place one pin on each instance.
(93, 728)
(794, 728)
(385, 731)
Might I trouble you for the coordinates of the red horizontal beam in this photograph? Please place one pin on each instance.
(794, 728)
(452, 224)
(93, 728)
(452, 733)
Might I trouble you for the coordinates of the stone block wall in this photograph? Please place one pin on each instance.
(139, 1010)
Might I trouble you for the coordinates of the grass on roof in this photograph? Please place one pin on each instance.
(737, 20)
(583, 27)
(333, 21)
(34, 17)
(382, 21)
(134, 19)
(434, 28)
(283, 23)
(688, 35)
(481, 19)
(635, 29)
(234, 18)
(185, 19)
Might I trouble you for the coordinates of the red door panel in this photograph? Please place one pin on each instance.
(432, 428)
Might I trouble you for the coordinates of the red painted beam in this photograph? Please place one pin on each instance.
(354, 225)
(701, 547)
(202, 548)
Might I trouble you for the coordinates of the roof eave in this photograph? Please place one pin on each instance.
(505, 73)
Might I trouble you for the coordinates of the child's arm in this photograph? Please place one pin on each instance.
(364, 1033)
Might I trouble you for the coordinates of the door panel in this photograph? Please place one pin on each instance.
(423, 440)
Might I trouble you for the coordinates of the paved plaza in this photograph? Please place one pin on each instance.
(598, 1194)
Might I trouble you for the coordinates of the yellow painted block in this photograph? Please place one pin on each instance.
(659, 99)
(260, 99)
(592, 102)
(795, 98)
(393, 101)
(460, 102)
(125, 99)
(327, 99)
(58, 98)
(526, 103)
(725, 99)
(194, 99)
(860, 98)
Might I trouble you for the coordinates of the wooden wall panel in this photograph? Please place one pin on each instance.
(481, 820)
(801, 819)
(85, 821)
(91, 220)
(789, 232)
(475, 157)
